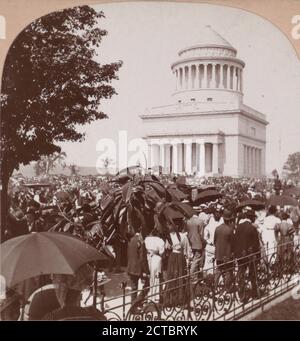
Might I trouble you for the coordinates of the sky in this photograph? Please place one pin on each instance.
(147, 38)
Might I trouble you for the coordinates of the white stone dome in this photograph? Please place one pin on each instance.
(209, 70)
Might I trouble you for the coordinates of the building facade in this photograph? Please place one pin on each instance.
(208, 130)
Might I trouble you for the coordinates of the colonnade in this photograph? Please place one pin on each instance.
(252, 160)
(209, 76)
(189, 158)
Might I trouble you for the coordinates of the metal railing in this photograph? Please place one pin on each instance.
(227, 291)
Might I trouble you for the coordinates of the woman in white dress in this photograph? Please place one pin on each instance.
(155, 247)
(268, 230)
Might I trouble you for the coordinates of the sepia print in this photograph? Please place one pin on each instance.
(150, 162)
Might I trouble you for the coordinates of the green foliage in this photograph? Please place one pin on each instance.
(52, 83)
(142, 202)
(291, 168)
(48, 162)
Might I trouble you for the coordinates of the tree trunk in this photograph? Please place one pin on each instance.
(4, 204)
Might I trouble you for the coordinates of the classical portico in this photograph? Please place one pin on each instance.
(186, 154)
(207, 130)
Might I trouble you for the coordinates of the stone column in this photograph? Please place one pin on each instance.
(221, 76)
(162, 157)
(190, 78)
(245, 159)
(179, 78)
(257, 162)
(150, 159)
(176, 82)
(215, 156)
(228, 77)
(180, 157)
(205, 76)
(167, 158)
(241, 80)
(234, 78)
(175, 158)
(197, 77)
(248, 161)
(186, 77)
(252, 160)
(213, 76)
(188, 158)
(202, 158)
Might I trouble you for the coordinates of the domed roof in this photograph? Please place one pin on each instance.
(209, 37)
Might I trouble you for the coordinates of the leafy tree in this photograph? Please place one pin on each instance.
(48, 162)
(73, 169)
(107, 162)
(291, 168)
(274, 172)
(52, 82)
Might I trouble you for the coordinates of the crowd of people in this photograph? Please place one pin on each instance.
(214, 236)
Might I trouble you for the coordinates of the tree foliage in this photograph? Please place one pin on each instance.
(49, 162)
(291, 168)
(52, 82)
(74, 169)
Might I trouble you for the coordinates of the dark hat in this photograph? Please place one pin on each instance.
(250, 213)
(227, 215)
(272, 209)
(284, 216)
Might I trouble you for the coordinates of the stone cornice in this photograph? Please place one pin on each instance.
(204, 46)
(208, 60)
(205, 114)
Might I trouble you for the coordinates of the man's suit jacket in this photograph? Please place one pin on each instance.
(195, 228)
(223, 241)
(137, 257)
(246, 240)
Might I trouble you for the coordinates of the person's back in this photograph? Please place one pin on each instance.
(223, 241)
(136, 254)
(195, 228)
(246, 240)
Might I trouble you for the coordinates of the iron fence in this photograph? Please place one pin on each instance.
(227, 291)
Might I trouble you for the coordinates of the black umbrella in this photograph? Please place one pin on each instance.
(254, 204)
(206, 196)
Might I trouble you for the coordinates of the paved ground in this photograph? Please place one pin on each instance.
(286, 310)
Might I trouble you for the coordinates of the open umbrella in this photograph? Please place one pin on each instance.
(282, 200)
(42, 253)
(206, 196)
(176, 194)
(254, 204)
(207, 187)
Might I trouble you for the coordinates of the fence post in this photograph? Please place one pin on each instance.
(123, 287)
(95, 286)
(189, 292)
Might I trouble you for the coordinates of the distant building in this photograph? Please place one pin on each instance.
(208, 130)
